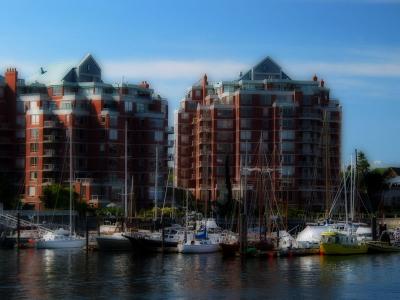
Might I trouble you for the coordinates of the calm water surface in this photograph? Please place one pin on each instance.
(71, 274)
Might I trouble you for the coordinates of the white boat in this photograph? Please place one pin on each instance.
(54, 240)
(62, 238)
(198, 246)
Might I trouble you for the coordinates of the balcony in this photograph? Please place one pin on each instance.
(49, 138)
(49, 152)
(169, 129)
(49, 167)
(49, 124)
(48, 181)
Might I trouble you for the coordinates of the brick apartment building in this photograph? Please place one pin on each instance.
(282, 135)
(37, 117)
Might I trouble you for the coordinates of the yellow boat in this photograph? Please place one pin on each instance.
(338, 243)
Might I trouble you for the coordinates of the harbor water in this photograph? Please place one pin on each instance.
(73, 274)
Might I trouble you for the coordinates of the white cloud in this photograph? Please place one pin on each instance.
(387, 69)
(173, 69)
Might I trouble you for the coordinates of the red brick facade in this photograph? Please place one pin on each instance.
(288, 130)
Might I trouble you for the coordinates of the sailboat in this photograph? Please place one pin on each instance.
(344, 242)
(117, 240)
(199, 243)
(61, 238)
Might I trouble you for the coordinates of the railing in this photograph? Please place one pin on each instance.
(11, 222)
(48, 167)
(49, 138)
(49, 152)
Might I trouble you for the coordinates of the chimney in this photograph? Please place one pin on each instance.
(322, 83)
(204, 86)
(11, 76)
(315, 78)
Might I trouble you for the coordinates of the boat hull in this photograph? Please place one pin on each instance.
(60, 244)
(193, 249)
(143, 244)
(109, 243)
(379, 247)
(342, 249)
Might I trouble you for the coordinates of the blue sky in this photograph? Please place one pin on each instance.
(353, 45)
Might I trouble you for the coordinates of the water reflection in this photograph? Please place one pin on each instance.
(70, 274)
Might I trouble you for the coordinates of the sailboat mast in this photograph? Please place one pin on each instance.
(126, 172)
(345, 195)
(70, 176)
(156, 185)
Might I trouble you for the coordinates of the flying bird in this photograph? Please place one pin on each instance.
(42, 71)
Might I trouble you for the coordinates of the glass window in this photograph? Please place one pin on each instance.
(287, 171)
(128, 106)
(57, 90)
(225, 124)
(113, 134)
(35, 119)
(225, 113)
(140, 108)
(158, 136)
(245, 135)
(287, 146)
(34, 161)
(34, 147)
(32, 191)
(287, 134)
(34, 133)
(113, 121)
(34, 175)
(245, 123)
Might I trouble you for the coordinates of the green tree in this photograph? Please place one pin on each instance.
(57, 196)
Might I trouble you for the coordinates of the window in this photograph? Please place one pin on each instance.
(245, 147)
(224, 147)
(66, 105)
(34, 161)
(158, 136)
(245, 99)
(102, 148)
(225, 124)
(225, 113)
(140, 108)
(128, 106)
(287, 134)
(32, 191)
(34, 133)
(57, 90)
(35, 119)
(197, 93)
(113, 134)
(34, 175)
(287, 146)
(287, 123)
(113, 121)
(265, 100)
(33, 105)
(245, 135)
(245, 123)
(224, 136)
(287, 171)
(34, 147)
(246, 112)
